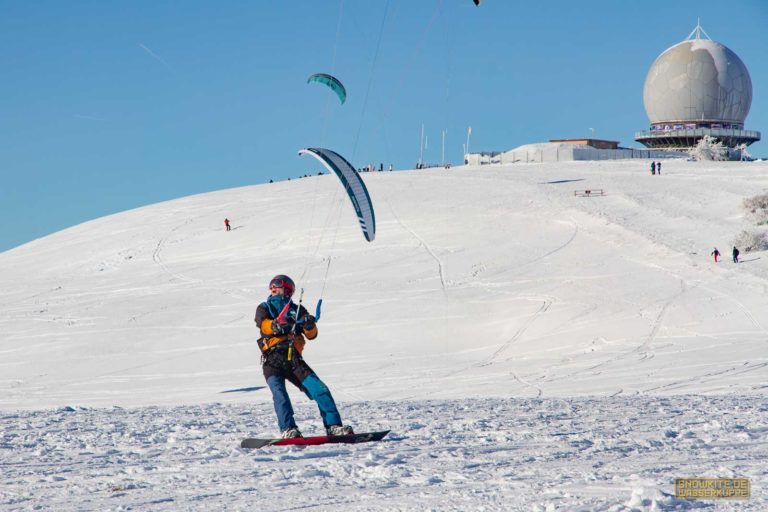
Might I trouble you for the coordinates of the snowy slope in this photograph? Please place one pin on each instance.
(489, 294)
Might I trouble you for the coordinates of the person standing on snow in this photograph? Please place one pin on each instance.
(653, 167)
(735, 254)
(226, 224)
(716, 254)
(658, 168)
(282, 342)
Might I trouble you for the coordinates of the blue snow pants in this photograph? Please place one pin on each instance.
(314, 388)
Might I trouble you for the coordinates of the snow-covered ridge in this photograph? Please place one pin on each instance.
(482, 282)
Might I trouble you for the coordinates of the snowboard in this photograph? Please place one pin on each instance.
(364, 437)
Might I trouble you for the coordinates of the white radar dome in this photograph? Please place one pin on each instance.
(698, 80)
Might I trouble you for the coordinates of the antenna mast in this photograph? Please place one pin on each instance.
(698, 31)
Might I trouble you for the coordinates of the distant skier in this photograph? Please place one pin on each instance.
(284, 328)
(716, 254)
(653, 167)
(735, 254)
(658, 168)
(226, 224)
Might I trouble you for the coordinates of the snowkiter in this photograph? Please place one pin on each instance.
(284, 328)
(735, 254)
(716, 254)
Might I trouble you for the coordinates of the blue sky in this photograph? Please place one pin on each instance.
(111, 105)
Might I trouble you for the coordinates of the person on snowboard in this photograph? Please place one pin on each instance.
(284, 328)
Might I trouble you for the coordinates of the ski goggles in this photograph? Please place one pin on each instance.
(278, 283)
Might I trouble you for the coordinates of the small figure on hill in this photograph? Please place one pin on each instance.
(653, 168)
(735, 254)
(716, 254)
(285, 328)
(658, 168)
(226, 224)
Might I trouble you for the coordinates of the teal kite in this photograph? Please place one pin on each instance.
(332, 82)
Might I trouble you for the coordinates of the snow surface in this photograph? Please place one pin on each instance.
(530, 349)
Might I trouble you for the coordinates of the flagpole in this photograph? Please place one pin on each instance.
(469, 132)
(421, 153)
(442, 154)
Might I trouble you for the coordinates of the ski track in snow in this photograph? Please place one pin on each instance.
(539, 391)
(503, 348)
(741, 306)
(424, 244)
(609, 454)
(159, 260)
(538, 259)
(645, 346)
(746, 368)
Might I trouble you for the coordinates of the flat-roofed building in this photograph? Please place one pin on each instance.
(595, 143)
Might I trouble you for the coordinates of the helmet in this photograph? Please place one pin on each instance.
(285, 282)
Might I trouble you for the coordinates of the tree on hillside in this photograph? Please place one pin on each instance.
(750, 241)
(756, 209)
(741, 150)
(708, 149)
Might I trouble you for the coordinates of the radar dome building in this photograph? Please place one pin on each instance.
(697, 87)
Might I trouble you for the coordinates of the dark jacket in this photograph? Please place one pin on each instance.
(281, 354)
(268, 340)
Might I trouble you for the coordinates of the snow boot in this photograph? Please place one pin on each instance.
(292, 432)
(339, 430)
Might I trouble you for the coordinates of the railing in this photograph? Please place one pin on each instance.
(699, 132)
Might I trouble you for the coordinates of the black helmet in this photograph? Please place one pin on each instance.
(285, 282)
